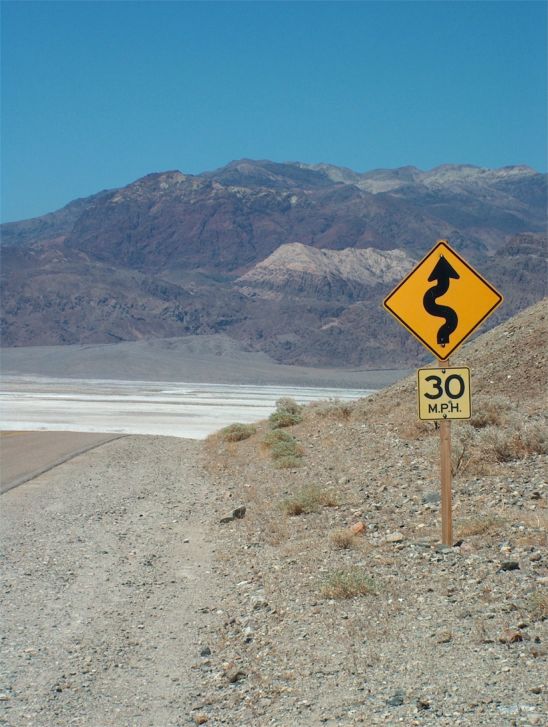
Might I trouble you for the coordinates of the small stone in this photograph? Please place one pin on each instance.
(535, 557)
(201, 719)
(357, 528)
(239, 512)
(206, 651)
(395, 537)
(397, 699)
(423, 704)
(509, 565)
(535, 718)
(442, 548)
(234, 674)
(431, 498)
(227, 519)
(510, 636)
(536, 690)
(444, 637)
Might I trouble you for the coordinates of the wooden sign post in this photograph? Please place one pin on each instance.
(445, 468)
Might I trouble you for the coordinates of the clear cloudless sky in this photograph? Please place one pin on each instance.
(97, 94)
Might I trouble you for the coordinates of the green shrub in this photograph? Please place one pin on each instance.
(287, 413)
(236, 432)
(289, 405)
(276, 436)
(286, 449)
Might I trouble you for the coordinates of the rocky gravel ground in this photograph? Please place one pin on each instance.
(157, 582)
(107, 588)
(434, 635)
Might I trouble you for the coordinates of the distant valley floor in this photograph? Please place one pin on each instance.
(193, 359)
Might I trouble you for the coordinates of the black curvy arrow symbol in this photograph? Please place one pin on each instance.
(442, 273)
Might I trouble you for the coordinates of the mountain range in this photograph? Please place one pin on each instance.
(291, 259)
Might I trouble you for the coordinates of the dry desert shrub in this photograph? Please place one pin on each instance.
(307, 500)
(513, 443)
(237, 432)
(343, 539)
(479, 525)
(490, 411)
(537, 605)
(333, 408)
(288, 462)
(475, 450)
(416, 429)
(349, 583)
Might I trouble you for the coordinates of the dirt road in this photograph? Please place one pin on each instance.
(108, 595)
(23, 455)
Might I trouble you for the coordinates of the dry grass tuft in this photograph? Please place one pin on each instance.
(343, 539)
(478, 450)
(288, 462)
(490, 411)
(516, 443)
(309, 499)
(348, 583)
(333, 408)
(237, 432)
(479, 525)
(537, 606)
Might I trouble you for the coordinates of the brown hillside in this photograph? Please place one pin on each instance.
(386, 627)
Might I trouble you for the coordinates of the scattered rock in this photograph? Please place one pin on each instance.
(423, 704)
(509, 565)
(239, 512)
(358, 528)
(227, 519)
(395, 537)
(201, 719)
(397, 699)
(510, 636)
(234, 674)
(206, 651)
(444, 637)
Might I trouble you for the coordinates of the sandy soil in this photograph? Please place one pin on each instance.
(24, 455)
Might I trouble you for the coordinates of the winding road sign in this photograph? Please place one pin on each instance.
(442, 300)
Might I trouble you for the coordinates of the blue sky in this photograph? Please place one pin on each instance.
(97, 94)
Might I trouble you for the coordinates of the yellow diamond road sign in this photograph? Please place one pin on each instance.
(442, 300)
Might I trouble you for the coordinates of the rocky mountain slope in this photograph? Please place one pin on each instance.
(174, 254)
(344, 608)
